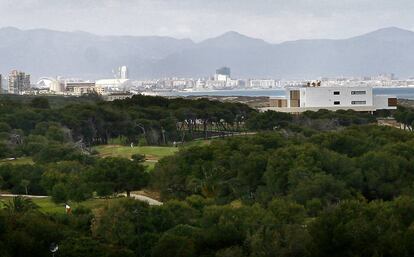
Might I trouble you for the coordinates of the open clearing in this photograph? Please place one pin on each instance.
(152, 153)
(18, 161)
(46, 205)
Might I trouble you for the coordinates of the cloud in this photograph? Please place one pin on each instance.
(273, 20)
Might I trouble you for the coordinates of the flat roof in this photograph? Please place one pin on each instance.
(314, 109)
(329, 87)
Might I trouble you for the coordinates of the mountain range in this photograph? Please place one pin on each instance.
(44, 52)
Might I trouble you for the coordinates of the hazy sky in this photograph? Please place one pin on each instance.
(272, 20)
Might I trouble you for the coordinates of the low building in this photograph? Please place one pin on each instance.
(80, 87)
(57, 87)
(117, 96)
(307, 98)
(54, 86)
(215, 84)
(262, 83)
(108, 85)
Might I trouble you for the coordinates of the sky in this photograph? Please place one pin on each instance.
(272, 20)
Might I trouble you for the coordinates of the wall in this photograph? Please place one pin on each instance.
(381, 102)
(324, 96)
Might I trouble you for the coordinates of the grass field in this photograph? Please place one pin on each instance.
(151, 152)
(47, 206)
(22, 160)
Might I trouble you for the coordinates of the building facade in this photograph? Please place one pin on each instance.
(224, 71)
(262, 83)
(123, 72)
(18, 82)
(79, 87)
(222, 74)
(117, 96)
(104, 86)
(300, 99)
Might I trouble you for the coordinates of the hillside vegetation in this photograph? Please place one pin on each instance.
(318, 184)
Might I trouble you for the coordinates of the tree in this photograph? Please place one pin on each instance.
(138, 157)
(119, 173)
(269, 120)
(320, 186)
(356, 228)
(126, 223)
(19, 205)
(77, 246)
(40, 103)
(175, 246)
(79, 190)
(5, 127)
(287, 212)
(25, 183)
(385, 174)
(1, 182)
(234, 251)
(60, 193)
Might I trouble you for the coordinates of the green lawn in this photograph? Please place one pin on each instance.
(47, 206)
(153, 153)
(22, 160)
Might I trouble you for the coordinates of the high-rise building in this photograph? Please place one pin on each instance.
(4, 85)
(123, 72)
(18, 81)
(224, 71)
(222, 74)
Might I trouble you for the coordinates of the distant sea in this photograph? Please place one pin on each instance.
(402, 93)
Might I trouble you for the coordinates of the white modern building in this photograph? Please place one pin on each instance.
(117, 96)
(222, 74)
(221, 77)
(262, 83)
(79, 87)
(307, 98)
(116, 85)
(200, 84)
(123, 72)
(53, 85)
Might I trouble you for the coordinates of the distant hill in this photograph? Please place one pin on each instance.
(45, 52)
(50, 53)
(385, 50)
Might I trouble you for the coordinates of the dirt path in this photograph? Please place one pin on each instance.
(28, 196)
(144, 198)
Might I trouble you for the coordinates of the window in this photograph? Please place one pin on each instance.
(392, 102)
(358, 92)
(337, 93)
(359, 102)
(337, 103)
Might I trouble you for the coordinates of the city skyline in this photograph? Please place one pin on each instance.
(199, 19)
